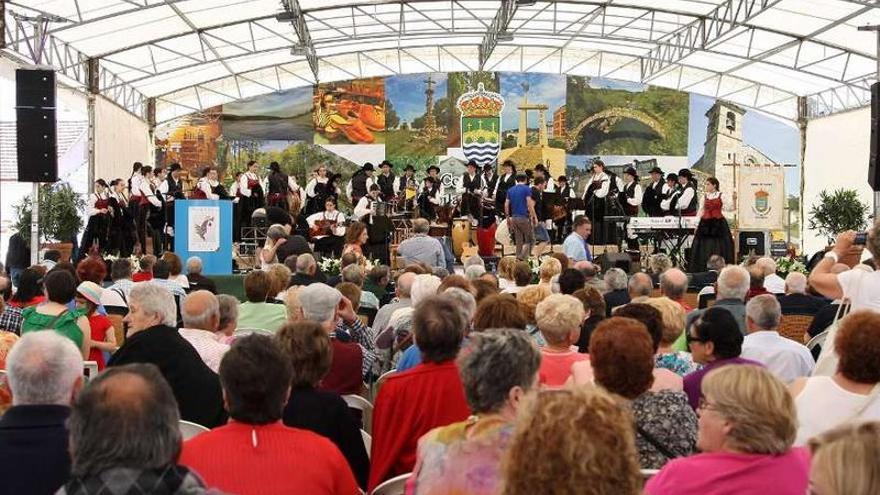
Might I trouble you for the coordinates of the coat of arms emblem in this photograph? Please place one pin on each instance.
(480, 124)
(761, 207)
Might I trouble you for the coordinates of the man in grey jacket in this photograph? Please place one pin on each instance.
(422, 248)
(731, 287)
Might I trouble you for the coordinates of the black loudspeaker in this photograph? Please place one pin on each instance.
(36, 134)
(873, 166)
(752, 242)
(34, 88)
(615, 260)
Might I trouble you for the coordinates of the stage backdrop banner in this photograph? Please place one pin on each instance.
(761, 197)
(204, 229)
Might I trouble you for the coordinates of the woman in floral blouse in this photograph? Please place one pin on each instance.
(673, 315)
(622, 356)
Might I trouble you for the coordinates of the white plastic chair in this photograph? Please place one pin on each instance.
(242, 332)
(818, 339)
(90, 369)
(394, 486)
(368, 441)
(188, 429)
(364, 406)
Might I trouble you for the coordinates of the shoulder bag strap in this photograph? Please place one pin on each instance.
(669, 454)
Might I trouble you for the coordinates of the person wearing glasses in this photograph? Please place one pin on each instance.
(714, 340)
(747, 427)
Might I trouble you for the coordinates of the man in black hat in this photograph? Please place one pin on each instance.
(671, 191)
(541, 171)
(630, 200)
(429, 198)
(688, 202)
(653, 194)
(434, 172)
(364, 205)
(404, 183)
(490, 182)
(471, 185)
(170, 189)
(360, 183)
(505, 182)
(386, 180)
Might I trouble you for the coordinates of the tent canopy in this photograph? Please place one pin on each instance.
(193, 54)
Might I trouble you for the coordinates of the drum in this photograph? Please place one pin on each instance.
(461, 233)
(502, 234)
(380, 209)
(438, 230)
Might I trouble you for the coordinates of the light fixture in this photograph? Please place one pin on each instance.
(285, 16)
(504, 36)
(525, 3)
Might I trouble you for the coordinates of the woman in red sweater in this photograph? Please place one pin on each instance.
(255, 453)
(422, 398)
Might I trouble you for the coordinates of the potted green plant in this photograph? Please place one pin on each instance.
(59, 217)
(837, 212)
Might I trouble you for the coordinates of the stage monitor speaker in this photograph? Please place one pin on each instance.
(34, 88)
(615, 260)
(873, 165)
(36, 145)
(752, 242)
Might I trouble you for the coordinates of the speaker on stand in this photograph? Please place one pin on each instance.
(36, 143)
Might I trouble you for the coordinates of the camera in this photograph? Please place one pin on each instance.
(861, 239)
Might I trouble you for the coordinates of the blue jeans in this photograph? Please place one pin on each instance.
(541, 234)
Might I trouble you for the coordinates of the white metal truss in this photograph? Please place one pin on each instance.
(193, 54)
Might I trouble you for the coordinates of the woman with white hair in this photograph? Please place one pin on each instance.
(618, 295)
(559, 319)
(467, 305)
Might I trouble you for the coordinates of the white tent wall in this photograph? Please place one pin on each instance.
(836, 157)
(120, 140)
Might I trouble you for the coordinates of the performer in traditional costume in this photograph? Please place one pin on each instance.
(595, 198)
(316, 190)
(123, 225)
(406, 189)
(327, 229)
(360, 183)
(671, 191)
(562, 212)
(251, 193)
(505, 182)
(541, 234)
(653, 194)
(434, 172)
(386, 180)
(98, 226)
(429, 198)
(280, 187)
(364, 206)
(146, 197)
(169, 190)
(471, 186)
(631, 198)
(713, 233)
(686, 204)
(541, 171)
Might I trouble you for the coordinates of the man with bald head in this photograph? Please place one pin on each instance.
(796, 301)
(201, 319)
(422, 248)
(732, 286)
(403, 286)
(640, 287)
(674, 284)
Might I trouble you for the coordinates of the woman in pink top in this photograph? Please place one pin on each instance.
(747, 427)
(559, 319)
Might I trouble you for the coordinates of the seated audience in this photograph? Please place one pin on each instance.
(355, 274)
(228, 307)
(145, 269)
(307, 346)
(732, 287)
(756, 282)
(422, 248)
(844, 460)
(92, 269)
(351, 362)
(746, 430)
(161, 272)
(279, 279)
(175, 269)
(103, 336)
(499, 311)
(256, 453)
(505, 272)
(44, 372)
(618, 295)
(622, 356)
(194, 276)
(306, 269)
(528, 301)
(60, 289)
(858, 284)
(715, 341)
(349, 258)
(201, 320)
(570, 281)
(674, 284)
(402, 290)
(714, 265)
(773, 283)
(377, 282)
(784, 357)
(591, 276)
(796, 301)
(10, 316)
(29, 291)
(115, 298)
(640, 287)
(549, 268)
(652, 319)
(497, 371)
(559, 319)
(522, 277)
(465, 303)
(256, 312)
(484, 288)
(154, 339)
(125, 437)
(672, 317)
(474, 272)
(657, 264)
(594, 308)
(851, 394)
(409, 403)
(572, 441)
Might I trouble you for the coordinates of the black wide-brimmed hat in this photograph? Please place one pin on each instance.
(409, 168)
(686, 172)
(671, 176)
(368, 167)
(656, 170)
(433, 167)
(472, 163)
(631, 171)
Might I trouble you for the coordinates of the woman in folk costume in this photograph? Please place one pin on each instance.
(122, 224)
(145, 197)
(713, 233)
(406, 189)
(327, 229)
(316, 191)
(250, 190)
(98, 226)
(280, 187)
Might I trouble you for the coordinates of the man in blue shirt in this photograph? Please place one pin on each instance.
(521, 218)
(575, 245)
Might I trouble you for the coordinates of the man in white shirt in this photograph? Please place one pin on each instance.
(785, 358)
(201, 319)
(772, 282)
(365, 204)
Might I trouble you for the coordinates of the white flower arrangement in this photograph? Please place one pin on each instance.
(790, 265)
(332, 266)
